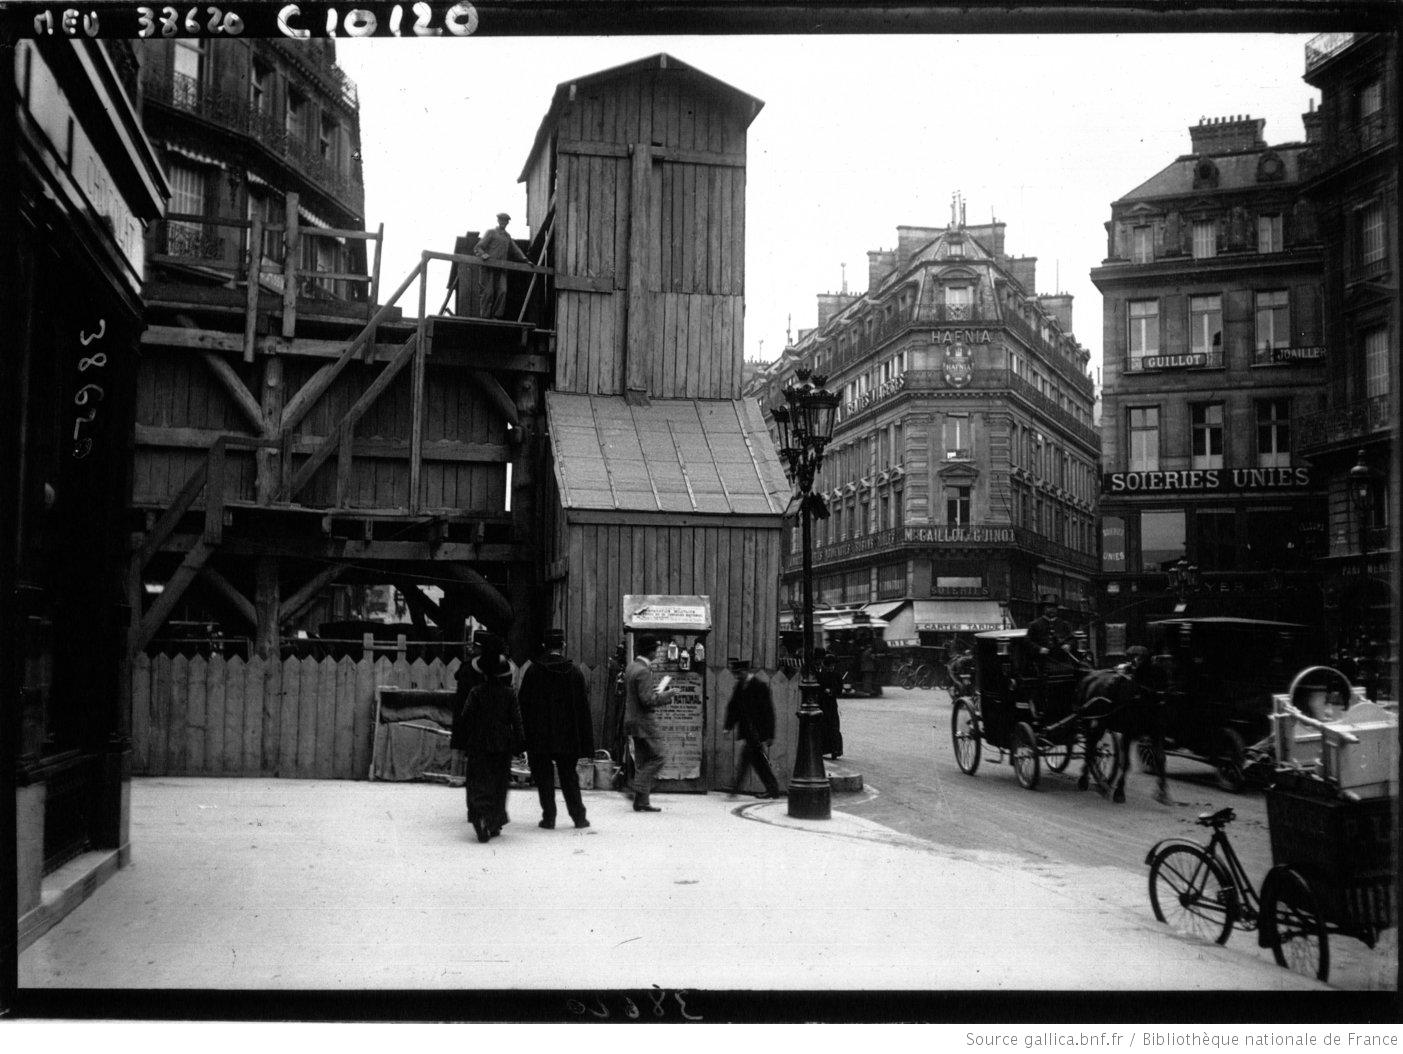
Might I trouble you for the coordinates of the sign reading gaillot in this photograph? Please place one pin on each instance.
(1205, 480)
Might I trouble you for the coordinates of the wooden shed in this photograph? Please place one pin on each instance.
(664, 479)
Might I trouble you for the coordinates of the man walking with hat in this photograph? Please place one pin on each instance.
(496, 245)
(751, 711)
(641, 698)
(555, 712)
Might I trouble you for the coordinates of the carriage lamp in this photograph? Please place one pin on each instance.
(805, 425)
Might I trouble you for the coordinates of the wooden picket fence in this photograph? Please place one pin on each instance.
(298, 718)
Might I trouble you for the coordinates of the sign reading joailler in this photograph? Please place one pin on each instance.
(1206, 480)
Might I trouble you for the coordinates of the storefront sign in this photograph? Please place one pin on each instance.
(1312, 354)
(958, 627)
(1205, 480)
(1173, 362)
(962, 336)
(1112, 544)
(49, 107)
(960, 535)
(958, 366)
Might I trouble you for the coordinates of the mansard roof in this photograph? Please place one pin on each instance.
(1236, 171)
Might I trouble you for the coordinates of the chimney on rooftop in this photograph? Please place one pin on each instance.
(880, 263)
(1224, 135)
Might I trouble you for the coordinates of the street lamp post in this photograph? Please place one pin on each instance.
(805, 426)
(1361, 493)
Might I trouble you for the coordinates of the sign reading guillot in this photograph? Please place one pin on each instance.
(1206, 480)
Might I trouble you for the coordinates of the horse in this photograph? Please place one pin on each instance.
(1115, 699)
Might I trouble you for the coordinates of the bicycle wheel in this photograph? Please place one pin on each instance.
(908, 676)
(964, 734)
(1292, 924)
(925, 677)
(1228, 760)
(1191, 892)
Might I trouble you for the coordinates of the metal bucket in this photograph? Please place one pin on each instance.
(604, 769)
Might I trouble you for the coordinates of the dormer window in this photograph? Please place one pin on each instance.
(956, 249)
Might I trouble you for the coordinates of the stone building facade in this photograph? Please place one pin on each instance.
(961, 478)
(1214, 352)
(1350, 172)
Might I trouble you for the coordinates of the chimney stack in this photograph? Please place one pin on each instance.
(1225, 135)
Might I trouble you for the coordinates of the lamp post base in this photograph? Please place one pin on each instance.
(810, 794)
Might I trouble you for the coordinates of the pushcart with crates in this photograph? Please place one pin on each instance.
(1332, 813)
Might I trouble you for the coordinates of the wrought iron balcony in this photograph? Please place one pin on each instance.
(188, 240)
(1326, 46)
(235, 113)
(1347, 424)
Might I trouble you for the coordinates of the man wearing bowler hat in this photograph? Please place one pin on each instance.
(496, 245)
(555, 712)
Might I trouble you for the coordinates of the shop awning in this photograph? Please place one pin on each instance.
(958, 616)
(884, 609)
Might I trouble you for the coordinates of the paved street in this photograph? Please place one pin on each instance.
(901, 744)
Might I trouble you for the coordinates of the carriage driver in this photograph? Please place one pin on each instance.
(1051, 640)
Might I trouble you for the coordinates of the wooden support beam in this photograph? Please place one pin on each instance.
(237, 390)
(354, 414)
(294, 605)
(226, 589)
(498, 395)
(374, 291)
(488, 604)
(313, 390)
(269, 462)
(255, 280)
(637, 346)
(161, 610)
(292, 246)
(416, 395)
(171, 516)
(419, 604)
(267, 637)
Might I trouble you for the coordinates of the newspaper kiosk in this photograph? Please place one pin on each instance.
(681, 623)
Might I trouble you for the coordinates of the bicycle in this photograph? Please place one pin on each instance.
(1204, 891)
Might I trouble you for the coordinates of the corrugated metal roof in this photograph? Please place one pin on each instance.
(673, 456)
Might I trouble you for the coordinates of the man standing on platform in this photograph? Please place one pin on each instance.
(496, 245)
(751, 712)
(555, 712)
(641, 698)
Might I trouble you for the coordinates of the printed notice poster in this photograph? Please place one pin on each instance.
(679, 723)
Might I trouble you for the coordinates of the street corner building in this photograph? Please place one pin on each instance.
(79, 182)
(960, 479)
(664, 479)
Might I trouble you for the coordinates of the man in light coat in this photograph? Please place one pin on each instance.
(496, 245)
(641, 698)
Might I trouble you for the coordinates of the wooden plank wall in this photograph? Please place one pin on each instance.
(738, 567)
(695, 262)
(465, 436)
(298, 718)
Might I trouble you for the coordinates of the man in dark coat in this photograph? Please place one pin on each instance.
(751, 711)
(485, 648)
(555, 712)
(496, 245)
(641, 698)
(492, 732)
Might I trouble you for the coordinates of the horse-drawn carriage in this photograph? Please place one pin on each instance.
(1028, 707)
(1217, 676)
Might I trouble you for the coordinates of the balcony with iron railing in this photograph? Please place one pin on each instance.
(894, 539)
(234, 112)
(1325, 46)
(1052, 356)
(1344, 425)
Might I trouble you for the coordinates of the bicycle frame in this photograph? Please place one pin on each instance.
(1219, 848)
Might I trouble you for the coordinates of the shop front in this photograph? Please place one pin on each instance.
(81, 182)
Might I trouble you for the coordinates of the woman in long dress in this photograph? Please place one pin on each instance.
(492, 734)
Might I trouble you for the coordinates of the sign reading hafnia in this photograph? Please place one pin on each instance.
(1205, 479)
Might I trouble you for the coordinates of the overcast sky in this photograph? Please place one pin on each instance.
(857, 136)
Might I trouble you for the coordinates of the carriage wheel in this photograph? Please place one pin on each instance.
(1059, 755)
(1191, 892)
(1149, 763)
(1229, 760)
(964, 733)
(1026, 764)
(1292, 924)
(1105, 758)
